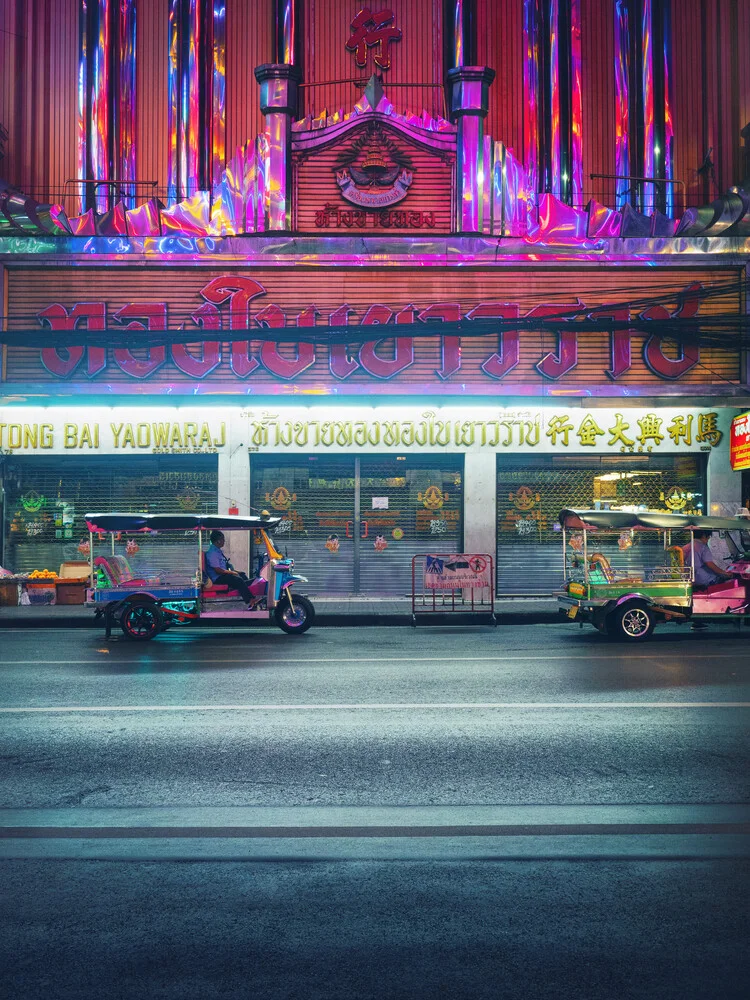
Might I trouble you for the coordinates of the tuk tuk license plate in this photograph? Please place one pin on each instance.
(572, 612)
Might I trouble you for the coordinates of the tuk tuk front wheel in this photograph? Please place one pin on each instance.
(297, 619)
(632, 622)
(141, 620)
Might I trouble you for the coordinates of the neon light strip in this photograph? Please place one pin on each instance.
(622, 98)
(576, 106)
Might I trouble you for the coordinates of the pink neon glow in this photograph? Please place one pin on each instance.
(668, 127)
(648, 106)
(622, 67)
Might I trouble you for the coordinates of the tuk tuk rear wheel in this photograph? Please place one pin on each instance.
(141, 620)
(296, 621)
(632, 622)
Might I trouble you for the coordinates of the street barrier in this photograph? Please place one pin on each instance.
(444, 584)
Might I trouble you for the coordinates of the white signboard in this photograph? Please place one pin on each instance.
(458, 572)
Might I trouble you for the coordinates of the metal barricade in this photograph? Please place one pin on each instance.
(444, 584)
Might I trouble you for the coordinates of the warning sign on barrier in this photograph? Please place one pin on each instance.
(456, 572)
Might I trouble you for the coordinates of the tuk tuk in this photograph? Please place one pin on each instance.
(625, 572)
(175, 588)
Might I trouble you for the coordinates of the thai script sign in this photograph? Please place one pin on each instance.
(456, 572)
(292, 428)
(627, 432)
(739, 442)
(449, 364)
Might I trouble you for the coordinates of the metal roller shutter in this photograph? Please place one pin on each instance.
(314, 495)
(47, 498)
(353, 524)
(532, 492)
(424, 513)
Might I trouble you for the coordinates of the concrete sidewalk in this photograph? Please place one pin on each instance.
(329, 611)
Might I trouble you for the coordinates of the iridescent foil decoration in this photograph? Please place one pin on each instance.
(553, 140)
(643, 118)
(106, 101)
(622, 100)
(196, 112)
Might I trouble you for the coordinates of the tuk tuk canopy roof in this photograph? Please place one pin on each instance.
(613, 520)
(178, 522)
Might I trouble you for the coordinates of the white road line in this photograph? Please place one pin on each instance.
(385, 707)
(402, 657)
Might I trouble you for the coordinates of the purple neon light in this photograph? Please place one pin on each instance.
(196, 113)
(668, 123)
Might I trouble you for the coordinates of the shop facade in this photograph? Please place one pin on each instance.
(360, 489)
(404, 328)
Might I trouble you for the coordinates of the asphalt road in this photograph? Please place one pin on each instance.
(375, 812)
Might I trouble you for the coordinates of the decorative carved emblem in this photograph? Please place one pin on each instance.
(374, 172)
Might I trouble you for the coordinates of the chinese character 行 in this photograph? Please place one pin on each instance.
(561, 426)
(370, 30)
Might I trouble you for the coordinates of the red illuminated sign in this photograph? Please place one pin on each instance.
(236, 302)
(739, 442)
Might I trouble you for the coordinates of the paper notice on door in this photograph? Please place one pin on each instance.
(380, 503)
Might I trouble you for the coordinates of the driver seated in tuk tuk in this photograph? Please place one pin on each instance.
(707, 572)
(221, 571)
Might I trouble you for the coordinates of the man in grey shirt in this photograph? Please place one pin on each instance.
(706, 570)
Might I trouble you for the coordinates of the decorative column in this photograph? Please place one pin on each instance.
(469, 103)
(278, 102)
(279, 99)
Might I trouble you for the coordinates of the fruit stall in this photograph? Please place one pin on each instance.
(45, 587)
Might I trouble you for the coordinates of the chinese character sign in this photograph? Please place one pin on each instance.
(739, 442)
(373, 30)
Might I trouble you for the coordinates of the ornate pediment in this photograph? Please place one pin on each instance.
(373, 169)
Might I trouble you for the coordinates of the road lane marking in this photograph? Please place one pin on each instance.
(397, 657)
(382, 707)
(661, 847)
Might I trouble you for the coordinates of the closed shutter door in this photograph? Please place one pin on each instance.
(531, 492)
(408, 506)
(314, 496)
(48, 498)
